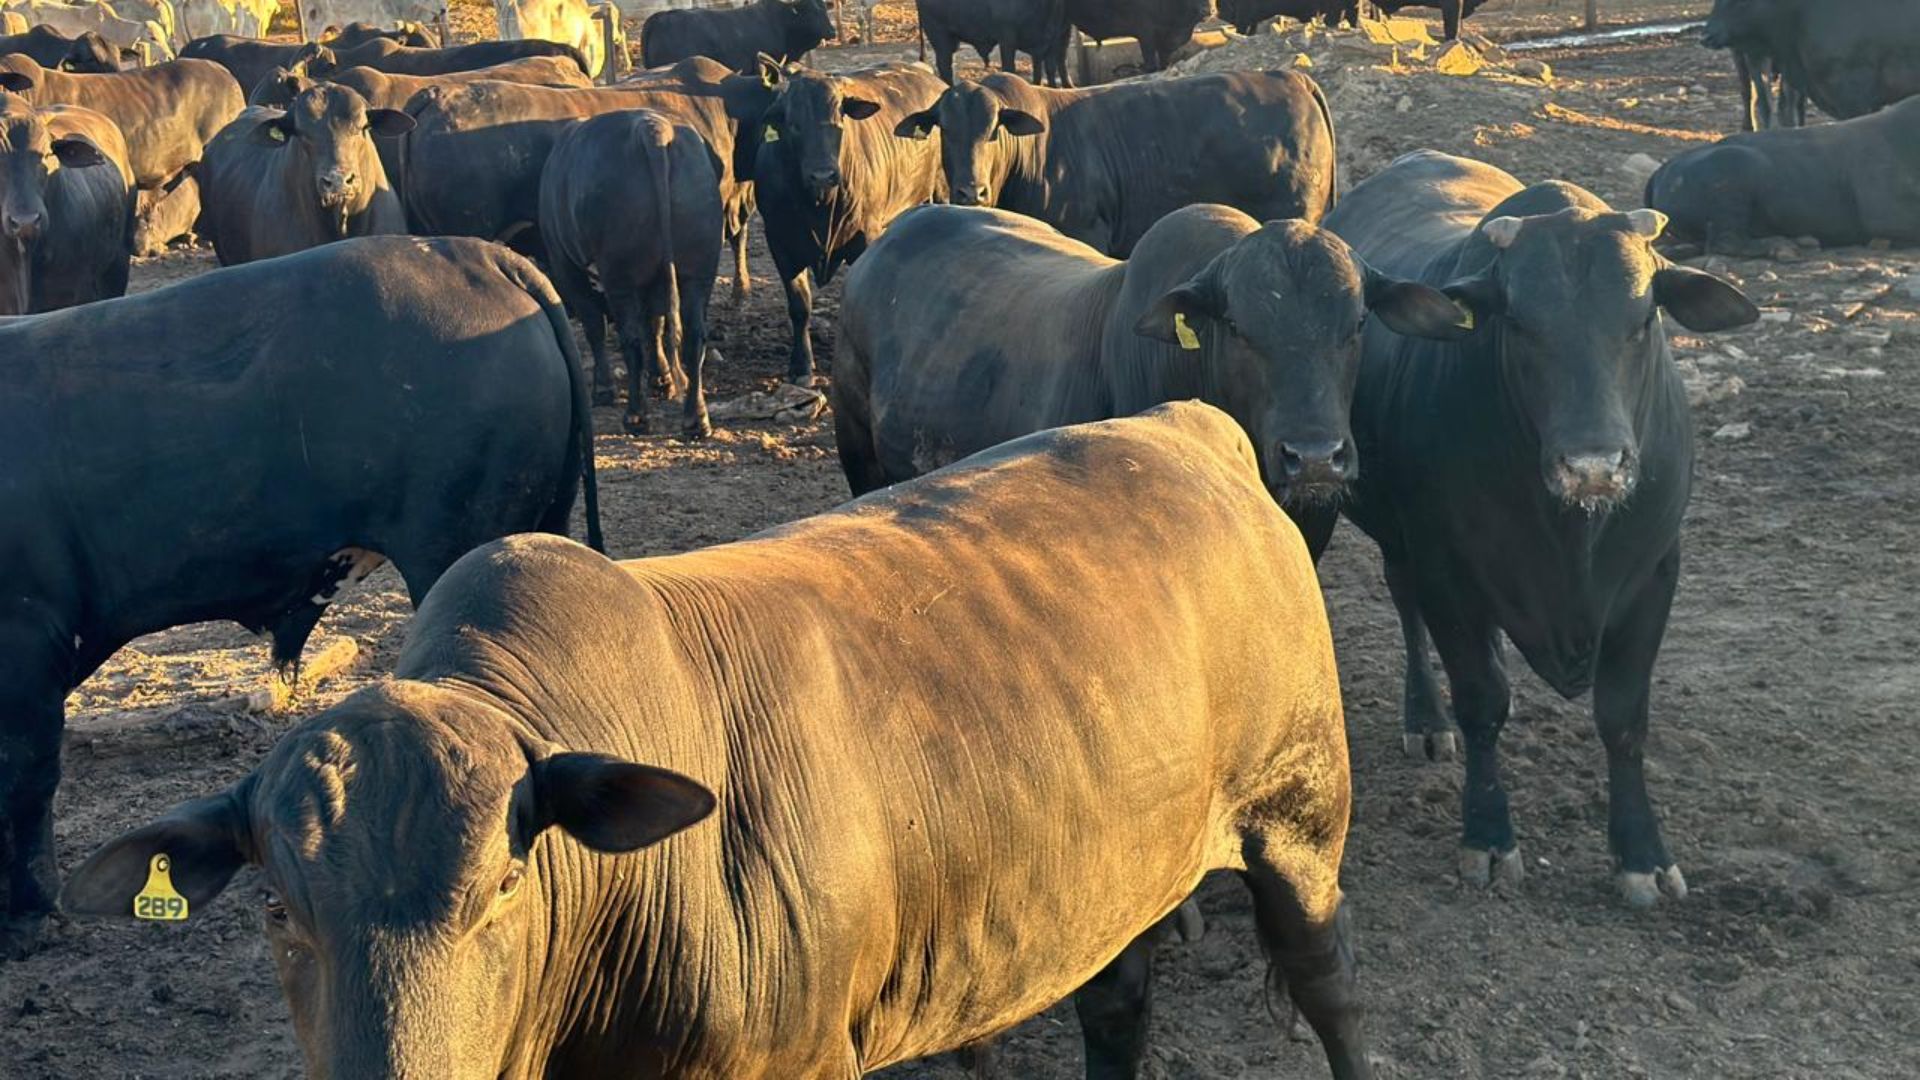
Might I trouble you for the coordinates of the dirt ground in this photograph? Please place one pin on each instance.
(1780, 754)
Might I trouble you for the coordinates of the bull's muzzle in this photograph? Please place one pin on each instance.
(1592, 481)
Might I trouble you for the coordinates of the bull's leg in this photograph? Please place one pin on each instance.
(640, 326)
(1755, 104)
(1010, 57)
(33, 670)
(693, 360)
(1469, 647)
(1115, 1010)
(800, 314)
(944, 46)
(1450, 19)
(1428, 732)
(1303, 931)
(1621, 687)
(587, 305)
(737, 237)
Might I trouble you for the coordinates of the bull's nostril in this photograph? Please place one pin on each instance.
(980, 194)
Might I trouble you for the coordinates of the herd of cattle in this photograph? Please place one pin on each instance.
(875, 757)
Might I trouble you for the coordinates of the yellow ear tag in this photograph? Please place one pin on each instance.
(159, 901)
(773, 135)
(1189, 340)
(1466, 319)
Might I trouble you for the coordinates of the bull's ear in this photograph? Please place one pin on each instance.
(1171, 317)
(858, 108)
(388, 123)
(274, 132)
(608, 804)
(1479, 297)
(1416, 310)
(770, 72)
(192, 852)
(77, 153)
(16, 81)
(1700, 301)
(1021, 122)
(919, 125)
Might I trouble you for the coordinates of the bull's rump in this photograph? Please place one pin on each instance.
(972, 734)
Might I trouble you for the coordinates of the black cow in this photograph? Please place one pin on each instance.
(786, 30)
(905, 772)
(1102, 165)
(1847, 62)
(250, 60)
(1247, 15)
(166, 112)
(829, 174)
(1844, 183)
(382, 54)
(1262, 321)
(356, 34)
(1036, 27)
(1452, 12)
(66, 207)
(631, 217)
(1530, 479)
(474, 158)
(1161, 26)
(87, 54)
(253, 439)
(279, 181)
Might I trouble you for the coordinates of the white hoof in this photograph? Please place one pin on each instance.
(1491, 868)
(1430, 746)
(1643, 891)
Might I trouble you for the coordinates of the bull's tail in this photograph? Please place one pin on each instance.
(660, 168)
(1333, 144)
(580, 440)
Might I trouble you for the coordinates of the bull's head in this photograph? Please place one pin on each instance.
(329, 131)
(407, 852)
(30, 156)
(977, 129)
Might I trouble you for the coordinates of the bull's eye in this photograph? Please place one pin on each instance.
(510, 884)
(275, 907)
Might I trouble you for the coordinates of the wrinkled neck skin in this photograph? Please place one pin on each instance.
(16, 276)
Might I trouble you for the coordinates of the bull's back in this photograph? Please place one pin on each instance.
(1408, 216)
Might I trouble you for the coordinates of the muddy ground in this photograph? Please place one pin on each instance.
(1782, 752)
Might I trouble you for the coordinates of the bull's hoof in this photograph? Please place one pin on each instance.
(698, 427)
(636, 423)
(1484, 869)
(1431, 746)
(20, 936)
(1643, 891)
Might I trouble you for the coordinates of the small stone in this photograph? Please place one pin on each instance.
(1680, 1004)
(1696, 89)
(1735, 351)
(1868, 337)
(1302, 60)
(1405, 104)
(1879, 243)
(1458, 58)
(1811, 243)
(1533, 69)
(1640, 166)
(1776, 315)
(1786, 252)
(1733, 432)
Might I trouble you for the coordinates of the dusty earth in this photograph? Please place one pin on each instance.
(1781, 753)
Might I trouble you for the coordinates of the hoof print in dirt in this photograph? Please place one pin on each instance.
(1643, 891)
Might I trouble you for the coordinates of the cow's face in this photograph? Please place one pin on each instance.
(1274, 325)
(1570, 302)
(29, 157)
(1735, 21)
(975, 128)
(90, 55)
(807, 125)
(806, 20)
(328, 133)
(408, 872)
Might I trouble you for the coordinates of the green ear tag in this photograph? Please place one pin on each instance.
(159, 901)
(1466, 318)
(1189, 340)
(773, 134)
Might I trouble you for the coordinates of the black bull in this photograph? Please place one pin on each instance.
(860, 851)
(1531, 478)
(235, 446)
